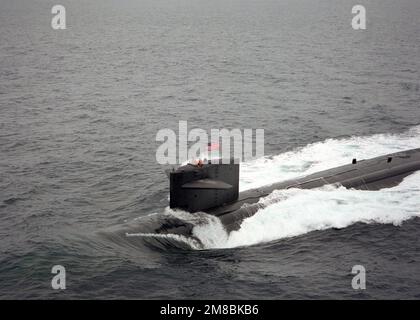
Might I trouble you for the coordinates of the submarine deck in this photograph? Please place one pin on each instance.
(371, 174)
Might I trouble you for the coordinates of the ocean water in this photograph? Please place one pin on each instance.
(79, 113)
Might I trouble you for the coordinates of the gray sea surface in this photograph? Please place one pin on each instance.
(80, 109)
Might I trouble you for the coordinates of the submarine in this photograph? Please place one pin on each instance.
(213, 187)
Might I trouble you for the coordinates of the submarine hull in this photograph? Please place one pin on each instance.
(371, 174)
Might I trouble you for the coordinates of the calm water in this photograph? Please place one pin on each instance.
(80, 109)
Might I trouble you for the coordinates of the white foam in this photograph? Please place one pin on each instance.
(323, 155)
(302, 211)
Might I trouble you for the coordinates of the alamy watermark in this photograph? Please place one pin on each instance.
(58, 22)
(175, 150)
(58, 282)
(359, 280)
(359, 20)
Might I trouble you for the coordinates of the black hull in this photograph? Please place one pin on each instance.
(373, 174)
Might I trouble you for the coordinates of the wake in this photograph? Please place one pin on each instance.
(294, 212)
